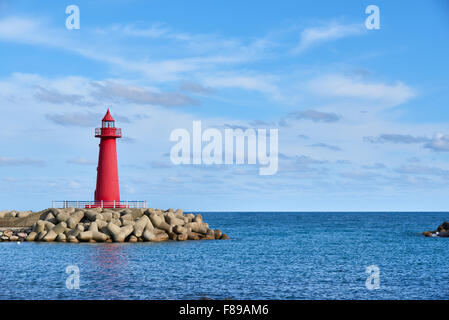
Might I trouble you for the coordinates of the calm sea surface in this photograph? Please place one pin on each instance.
(269, 256)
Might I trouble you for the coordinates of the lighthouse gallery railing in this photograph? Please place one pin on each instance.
(113, 132)
(102, 204)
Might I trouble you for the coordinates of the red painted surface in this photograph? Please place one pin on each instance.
(107, 171)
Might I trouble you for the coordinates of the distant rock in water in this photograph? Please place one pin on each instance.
(442, 231)
(105, 225)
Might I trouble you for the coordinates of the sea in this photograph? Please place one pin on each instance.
(270, 255)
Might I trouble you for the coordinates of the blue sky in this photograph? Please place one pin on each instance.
(362, 114)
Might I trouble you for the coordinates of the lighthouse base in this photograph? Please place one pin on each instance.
(110, 206)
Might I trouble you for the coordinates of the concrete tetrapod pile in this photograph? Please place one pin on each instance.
(114, 225)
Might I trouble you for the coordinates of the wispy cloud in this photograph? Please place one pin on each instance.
(81, 161)
(237, 49)
(252, 82)
(325, 146)
(140, 95)
(20, 30)
(313, 115)
(375, 166)
(6, 161)
(422, 170)
(127, 140)
(196, 88)
(396, 138)
(311, 37)
(306, 160)
(439, 143)
(156, 30)
(235, 126)
(161, 164)
(56, 97)
(79, 119)
(335, 85)
(207, 52)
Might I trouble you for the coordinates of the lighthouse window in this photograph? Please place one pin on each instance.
(108, 124)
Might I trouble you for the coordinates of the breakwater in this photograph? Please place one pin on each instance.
(105, 225)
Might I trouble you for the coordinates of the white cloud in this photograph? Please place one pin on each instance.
(196, 88)
(121, 92)
(154, 31)
(324, 145)
(439, 143)
(206, 52)
(339, 86)
(396, 138)
(423, 170)
(258, 83)
(57, 97)
(20, 30)
(79, 119)
(312, 115)
(7, 161)
(83, 92)
(313, 36)
(81, 161)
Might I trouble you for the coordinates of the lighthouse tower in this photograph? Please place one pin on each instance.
(107, 193)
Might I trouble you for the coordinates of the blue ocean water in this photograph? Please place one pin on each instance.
(269, 256)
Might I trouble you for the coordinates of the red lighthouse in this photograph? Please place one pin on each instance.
(107, 193)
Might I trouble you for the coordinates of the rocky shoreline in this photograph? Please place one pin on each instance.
(442, 231)
(105, 225)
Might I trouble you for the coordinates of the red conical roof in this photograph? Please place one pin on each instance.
(108, 116)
